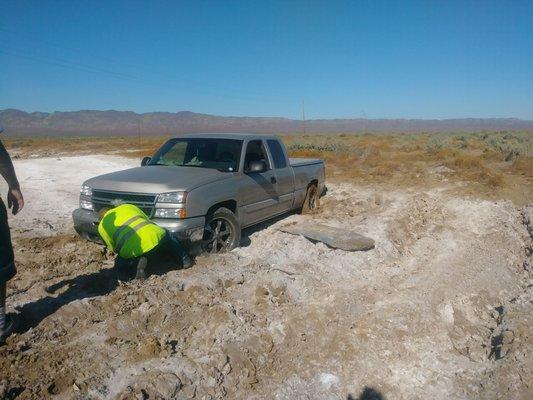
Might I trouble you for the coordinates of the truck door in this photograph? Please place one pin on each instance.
(258, 194)
(284, 175)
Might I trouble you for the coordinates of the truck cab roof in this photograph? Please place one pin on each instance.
(237, 136)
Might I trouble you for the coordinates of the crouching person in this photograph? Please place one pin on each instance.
(129, 233)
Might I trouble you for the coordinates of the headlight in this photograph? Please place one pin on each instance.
(86, 204)
(172, 197)
(86, 190)
(170, 213)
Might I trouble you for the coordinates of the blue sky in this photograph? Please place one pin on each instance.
(426, 59)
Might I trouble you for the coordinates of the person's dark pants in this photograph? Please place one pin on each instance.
(7, 261)
(168, 246)
(2, 304)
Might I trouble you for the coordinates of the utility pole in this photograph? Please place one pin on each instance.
(303, 114)
(139, 123)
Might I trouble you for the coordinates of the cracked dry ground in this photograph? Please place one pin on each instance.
(441, 308)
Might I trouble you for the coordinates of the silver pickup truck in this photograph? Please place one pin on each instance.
(204, 188)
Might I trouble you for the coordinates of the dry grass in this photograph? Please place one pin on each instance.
(474, 168)
(490, 164)
(522, 166)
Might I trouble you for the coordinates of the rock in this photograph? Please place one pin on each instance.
(154, 385)
(189, 392)
(337, 238)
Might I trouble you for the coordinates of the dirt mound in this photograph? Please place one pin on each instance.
(441, 308)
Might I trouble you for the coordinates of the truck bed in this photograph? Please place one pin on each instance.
(299, 162)
(306, 170)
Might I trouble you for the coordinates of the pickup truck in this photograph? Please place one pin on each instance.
(204, 188)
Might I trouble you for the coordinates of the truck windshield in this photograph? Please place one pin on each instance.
(221, 154)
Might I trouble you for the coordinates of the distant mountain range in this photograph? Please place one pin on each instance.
(89, 122)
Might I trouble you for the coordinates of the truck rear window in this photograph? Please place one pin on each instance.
(221, 154)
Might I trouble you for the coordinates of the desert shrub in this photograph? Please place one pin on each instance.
(434, 143)
(510, 145)
(333, 147)
(462, 142)
(475, 169)
(305, 153)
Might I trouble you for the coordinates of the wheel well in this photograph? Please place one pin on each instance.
(229, 204)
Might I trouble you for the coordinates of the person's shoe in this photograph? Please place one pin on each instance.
(141, 268)
(186, 261)
(10, 327)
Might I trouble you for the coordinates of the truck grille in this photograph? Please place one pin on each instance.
(145, 202)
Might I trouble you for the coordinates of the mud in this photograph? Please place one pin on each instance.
(440, 308)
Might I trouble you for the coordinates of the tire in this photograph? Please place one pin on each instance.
(217, 224)
(311, 201)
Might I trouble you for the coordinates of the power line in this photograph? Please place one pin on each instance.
(69, 64)
(244, 95)
(96, 70)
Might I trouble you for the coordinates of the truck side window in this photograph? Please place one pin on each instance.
(277, 154)
(255, 151)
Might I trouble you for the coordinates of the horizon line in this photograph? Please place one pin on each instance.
(268, 117)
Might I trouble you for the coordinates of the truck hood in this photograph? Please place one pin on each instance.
(157, 179)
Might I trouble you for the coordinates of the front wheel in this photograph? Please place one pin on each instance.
(222, 232)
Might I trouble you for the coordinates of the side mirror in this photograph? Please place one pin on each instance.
(145, 161)
(257, 167)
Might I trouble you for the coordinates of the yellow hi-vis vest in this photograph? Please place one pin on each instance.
(128, 232)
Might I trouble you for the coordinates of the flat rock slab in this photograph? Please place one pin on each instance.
(337, 238)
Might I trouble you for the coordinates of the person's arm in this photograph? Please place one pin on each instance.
(6, 168)
(14, 196)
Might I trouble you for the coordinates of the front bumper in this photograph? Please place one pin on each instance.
(186, 230)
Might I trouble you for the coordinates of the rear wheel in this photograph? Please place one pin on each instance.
(222, 232)
(312, 200)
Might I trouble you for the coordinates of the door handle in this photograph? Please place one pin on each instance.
(273, 179)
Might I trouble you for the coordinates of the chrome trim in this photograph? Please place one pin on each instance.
(99, 201)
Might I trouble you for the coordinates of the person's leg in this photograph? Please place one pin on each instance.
(141, 268)
(8, 323)
(7, 271)
(177, 251)
(120, 263)
(7, 260)
(123, 268)
(2, 305)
